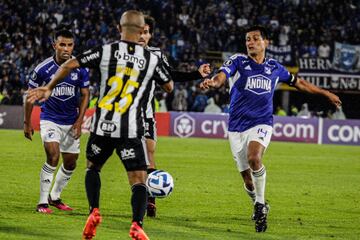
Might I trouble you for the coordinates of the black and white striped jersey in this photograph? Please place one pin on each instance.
(177, 76)
(127, 72)
(149, 107)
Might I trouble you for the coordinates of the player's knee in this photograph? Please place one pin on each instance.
(254, 161)
(70, 165)
(53, 159)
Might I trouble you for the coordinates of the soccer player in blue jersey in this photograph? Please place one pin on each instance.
(60, 121)
(252, 80)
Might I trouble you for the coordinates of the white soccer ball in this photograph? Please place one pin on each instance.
(160, 184)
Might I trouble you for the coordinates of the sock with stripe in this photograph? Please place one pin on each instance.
(259, 178)
(251, 194)
(138, 202)
(62, 178)
(46, 177)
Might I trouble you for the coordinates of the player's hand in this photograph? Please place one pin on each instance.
(204, 70)
(40, 93)
(334, 99)
(206, 84)
(76, 129)
(28, 130)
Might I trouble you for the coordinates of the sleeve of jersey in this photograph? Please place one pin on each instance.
(90, 58)
(161, 74)
(85, 79)
(185, 76)
(286, 77)
(229, 67)
(35, 79)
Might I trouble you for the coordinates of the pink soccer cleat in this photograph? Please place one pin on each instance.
(59, 204)
(43, 208)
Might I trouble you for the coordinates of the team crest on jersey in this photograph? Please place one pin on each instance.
(267, 70)
(74, 76)
(228, 63)
(63, 91)
(258, 84)
(33, 75)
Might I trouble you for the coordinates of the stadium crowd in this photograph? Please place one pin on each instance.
(185, 30)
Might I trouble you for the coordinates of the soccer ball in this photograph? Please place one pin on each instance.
(160, 184)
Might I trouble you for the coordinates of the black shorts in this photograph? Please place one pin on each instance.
(132, 151)
(150, 128)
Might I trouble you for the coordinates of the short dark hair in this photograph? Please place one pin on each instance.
(151, 22)
(63, 30)
(263, 31)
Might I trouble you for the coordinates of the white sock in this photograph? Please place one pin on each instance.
(46, 177)
(259, 178)
(62, 178)
(251, 194)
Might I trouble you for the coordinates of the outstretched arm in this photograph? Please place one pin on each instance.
(43, 93)
(203, 71)
(216, 81)
(305, 86)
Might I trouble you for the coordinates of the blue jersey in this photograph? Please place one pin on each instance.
(62, 105)
(252, 88)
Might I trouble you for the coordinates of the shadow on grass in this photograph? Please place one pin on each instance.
(30, 233)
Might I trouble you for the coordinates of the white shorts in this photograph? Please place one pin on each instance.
(239, 142)
(53, 132)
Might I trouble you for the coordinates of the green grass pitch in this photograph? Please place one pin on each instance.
(313, 190)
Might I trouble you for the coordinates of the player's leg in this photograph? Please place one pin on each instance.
(239, 151)
(70, 149)
(134, 157)
(258, 140)
(62, 178)
(98, 150)
(248, 184)
(150, 135)
(50, 136)
(151, 145)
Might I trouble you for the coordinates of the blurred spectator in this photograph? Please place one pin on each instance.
(338, 114)
(212, 107)
(179, 102)
(185, 29)
(200, 101)
(304, 112)
(280, 111)
(293, 111)
(324, 50)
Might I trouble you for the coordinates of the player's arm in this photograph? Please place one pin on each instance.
(28, 129)
(163, 78)
(85, 95)
(43, 93)
(215, 82)
(203, 71)
(305, 86)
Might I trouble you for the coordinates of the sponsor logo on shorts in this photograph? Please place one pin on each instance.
(127, 154)
(95, 149)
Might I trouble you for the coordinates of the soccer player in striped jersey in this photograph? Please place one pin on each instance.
(127, 70)
(60, 120)
(149, 108)
(252, 79)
